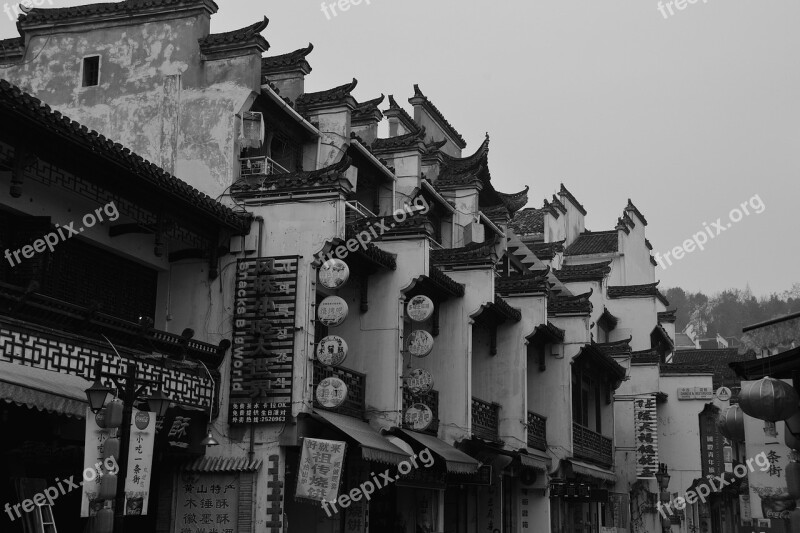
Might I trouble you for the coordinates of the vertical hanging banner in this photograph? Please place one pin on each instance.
(140, 462)
(645, 424)
(320, 469)
(96, 436)
(263, 340)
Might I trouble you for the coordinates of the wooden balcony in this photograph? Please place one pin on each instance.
(431, 399)
(537, 431)
(485, 418)
(592, 446)
(354, 405)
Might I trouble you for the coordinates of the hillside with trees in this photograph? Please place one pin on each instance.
(727, 312)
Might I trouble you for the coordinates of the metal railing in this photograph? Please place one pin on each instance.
(485, 418)
(537, 431)
(356, 211)
(255, 166)
(588, 444)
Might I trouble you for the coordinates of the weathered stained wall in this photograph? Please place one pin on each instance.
(155, 94)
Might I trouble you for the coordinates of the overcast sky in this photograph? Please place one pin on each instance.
(688, 116)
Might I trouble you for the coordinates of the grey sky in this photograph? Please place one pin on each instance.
(688, 116)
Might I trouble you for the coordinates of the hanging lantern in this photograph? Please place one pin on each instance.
(769, 399)
(108, 487)
(111, 448)
(114, 410)
(104, 521)
(793, 480)
(730, 423)
(792, 424)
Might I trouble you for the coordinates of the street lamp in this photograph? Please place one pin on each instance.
(131, 389)
(210, 440)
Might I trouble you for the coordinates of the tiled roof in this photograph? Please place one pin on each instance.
(14, 101)
(337, 95)
(668, 316)
(402, 115)
(633, 208)
(415, 224)
(547, 333)
(569, 305)
(564, 192)
(622, 347)
(370, 252)
(606, 361)
(401, 142)
(367, 110)
(636, 291)
(444, 281)
(529, 220)
(545, 250)
(515, 201)
(250, 35)
(436, 283)
(329, 175)
(497, 312)
(558, 205)
(471, 254)
(536, 282)
(434, 111)
(672, 368)
(589, 243)
(128, 7)
(646, 356)
(287, 61)
(587, 272)
(660, 334)
(718, 360)
(432, 147)
(12, 49)
(608, 319)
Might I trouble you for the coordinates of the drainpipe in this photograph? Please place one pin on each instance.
(251, 451)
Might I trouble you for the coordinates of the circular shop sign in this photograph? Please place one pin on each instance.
(142, 420)
(418, 417)
(334, 273)
(332, 311)
(723, 394)
(419, 381)
(419, 308)
(420, 343)
(331, 392)
(332, 350)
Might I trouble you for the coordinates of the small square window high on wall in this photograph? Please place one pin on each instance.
(91, 71)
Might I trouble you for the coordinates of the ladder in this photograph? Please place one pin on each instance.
(46, 520)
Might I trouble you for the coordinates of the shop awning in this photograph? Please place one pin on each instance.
(45, 390)
(456, 461)
(535, 461)
(374, 447)
(592, 471)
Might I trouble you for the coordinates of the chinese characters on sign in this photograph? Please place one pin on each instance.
(711, 445)
(490, 507)
(645, 425)
(418, 417)
(92, 454)
(695, 393)
(320, 469)
(263, 340)
(208, 503)
(331, 392)
(140, 462)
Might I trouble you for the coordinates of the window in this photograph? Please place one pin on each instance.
(91, 71)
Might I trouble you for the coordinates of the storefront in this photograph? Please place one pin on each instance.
(579, 498)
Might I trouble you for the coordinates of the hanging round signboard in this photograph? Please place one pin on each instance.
(419, 308)
(332, 350)
(420, 343)
(334, 273)
(331, 392)
(419, 381)
(418, 417)
(332, 311)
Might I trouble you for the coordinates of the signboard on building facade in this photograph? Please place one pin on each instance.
(332, 350)
(263, 340)
(419, 308)
(332, 311)
(207, 503)
(645, 424)
(320, 470)
(490, 507)
(334, 273)
(92, 454)
(418, 417)
(331, 392)
(695, 393)
(420, 343)
(140, 462)
(712, 444)
(419, 381)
